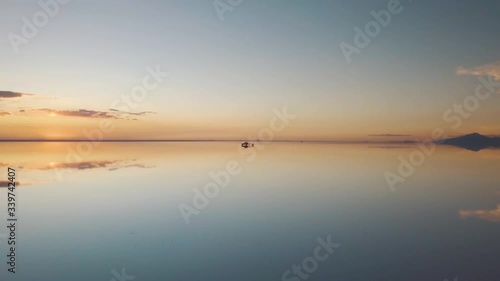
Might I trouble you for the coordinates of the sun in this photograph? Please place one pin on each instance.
(52, 114)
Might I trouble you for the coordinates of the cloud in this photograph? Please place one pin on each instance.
(492, 70)
(86, 113)
(133, 113)
(81, 113)
(9, 94)
(388, 135)
(487, 215)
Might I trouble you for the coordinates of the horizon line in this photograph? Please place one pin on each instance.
(211, 140)
(231, 140)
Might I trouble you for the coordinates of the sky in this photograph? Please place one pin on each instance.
(222, 74)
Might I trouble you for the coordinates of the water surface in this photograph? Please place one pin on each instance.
(117, 206)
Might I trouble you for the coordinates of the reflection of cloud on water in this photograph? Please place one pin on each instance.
(86, 165)
(78, 165)
(487, 215)
(5, 184)
(48, 167)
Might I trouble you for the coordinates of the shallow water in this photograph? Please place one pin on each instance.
(88, 215)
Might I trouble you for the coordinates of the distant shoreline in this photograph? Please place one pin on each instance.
(257, 141)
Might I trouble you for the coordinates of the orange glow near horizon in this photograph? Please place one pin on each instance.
(36, 127)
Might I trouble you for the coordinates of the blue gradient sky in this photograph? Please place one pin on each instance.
(226, 77)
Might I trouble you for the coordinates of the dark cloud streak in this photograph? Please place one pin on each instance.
(86, 113)
(10, 94)
(388, 135)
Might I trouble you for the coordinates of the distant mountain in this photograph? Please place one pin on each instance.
(474, 142)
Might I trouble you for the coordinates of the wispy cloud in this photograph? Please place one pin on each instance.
(82, 112)
(388, 135)
(492, 69)
(487, 215)
(10, 94)
(86, 113)
(133, 113)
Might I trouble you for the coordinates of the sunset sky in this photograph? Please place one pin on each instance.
(225, 77)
